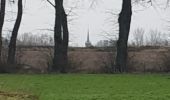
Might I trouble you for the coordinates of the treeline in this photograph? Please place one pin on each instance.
(61, 34)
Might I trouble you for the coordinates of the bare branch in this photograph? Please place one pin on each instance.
(51, 3)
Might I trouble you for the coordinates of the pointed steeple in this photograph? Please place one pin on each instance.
(88, 38)
(88, 43)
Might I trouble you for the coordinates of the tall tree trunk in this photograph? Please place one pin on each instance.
(60, 60)
(65, 40)
(57, 61)
(2, 16)
(124, 28)
(12, 44)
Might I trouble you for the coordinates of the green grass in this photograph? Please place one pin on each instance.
(89, 87)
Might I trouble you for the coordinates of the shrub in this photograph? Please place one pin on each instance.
(8, 68)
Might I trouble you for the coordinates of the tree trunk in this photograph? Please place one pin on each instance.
(57, 61)
(12, 44)
(65, 40)
(124, 28)
(2, 16)
(60, 61)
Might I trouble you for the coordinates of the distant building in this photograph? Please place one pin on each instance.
(88, 43)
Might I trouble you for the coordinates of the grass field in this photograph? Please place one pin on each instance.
(85, 87)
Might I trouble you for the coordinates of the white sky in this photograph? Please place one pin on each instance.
(38, 14)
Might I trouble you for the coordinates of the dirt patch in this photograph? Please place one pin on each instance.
(16, 96)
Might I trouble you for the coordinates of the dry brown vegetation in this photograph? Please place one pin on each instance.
(97, 60)
(149, 60)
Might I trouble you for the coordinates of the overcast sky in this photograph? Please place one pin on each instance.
(38, 14)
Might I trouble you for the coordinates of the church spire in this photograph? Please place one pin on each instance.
(88, 38)
(88, 43)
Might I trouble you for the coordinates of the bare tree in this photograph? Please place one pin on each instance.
(2, 16)
(61, 38)
(29, 39)
(12, 44)
(154, 38)
(138, 36)
(124, 28)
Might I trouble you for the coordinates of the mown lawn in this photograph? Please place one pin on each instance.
(89, 87)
